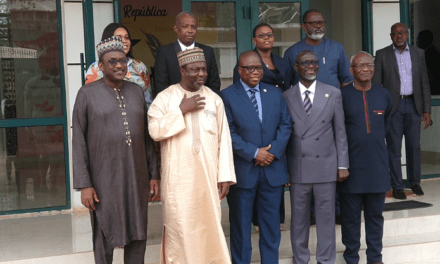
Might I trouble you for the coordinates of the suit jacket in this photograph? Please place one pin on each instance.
(248, 133)
(167, 70)
(387, 74)
(269, 76)
(318, 145)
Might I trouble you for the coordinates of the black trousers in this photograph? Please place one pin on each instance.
(351, 207)
(134, 252)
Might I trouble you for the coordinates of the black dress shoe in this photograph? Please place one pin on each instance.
(399, 194)
(312, 219)
(417, 190)
(338, 219)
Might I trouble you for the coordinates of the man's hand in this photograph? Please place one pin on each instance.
(192, 104)
(89, 197)
(426, 119)
(223, 189)
(154, 189)
(342, 175)
(264, 158)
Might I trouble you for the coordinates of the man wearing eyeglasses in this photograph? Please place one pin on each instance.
(317, 157)
(333, 62)
(401, 68)
(260, 126)
(114, 162)
(367, 109)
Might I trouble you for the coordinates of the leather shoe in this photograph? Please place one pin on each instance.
(399, 194)
(417, 190)
(312, 219)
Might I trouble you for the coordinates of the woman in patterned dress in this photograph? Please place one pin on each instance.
(137, 71)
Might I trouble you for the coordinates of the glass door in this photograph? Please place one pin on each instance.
(226, 26)
(33, 121)
(284, 17)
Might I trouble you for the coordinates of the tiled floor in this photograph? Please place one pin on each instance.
(60, 233)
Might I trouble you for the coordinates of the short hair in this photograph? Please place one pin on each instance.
(306, 14)
(357, 53)
(109, 31)
(398, 24)
(184, 13)
(254, 32)
(301, 53)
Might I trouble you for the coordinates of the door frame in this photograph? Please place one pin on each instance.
(50, 121)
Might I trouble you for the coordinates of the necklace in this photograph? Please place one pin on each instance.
(124, 115)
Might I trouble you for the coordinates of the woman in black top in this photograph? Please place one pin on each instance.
(273, 65)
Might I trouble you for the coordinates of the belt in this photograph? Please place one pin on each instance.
(406, 96)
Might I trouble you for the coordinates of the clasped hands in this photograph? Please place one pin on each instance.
(264, 157)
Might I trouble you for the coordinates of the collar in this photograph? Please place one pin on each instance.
(247, 88)
(406, 48)
(183, 47)
(312, 88)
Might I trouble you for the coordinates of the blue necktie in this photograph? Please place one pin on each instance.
(254, 100)
(307, 102)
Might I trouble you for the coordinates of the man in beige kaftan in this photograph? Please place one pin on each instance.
(190, 122)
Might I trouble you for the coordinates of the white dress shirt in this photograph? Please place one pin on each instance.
(183, 47)
(311, 89)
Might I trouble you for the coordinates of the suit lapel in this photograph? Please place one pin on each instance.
(394, 60)
(265, 101)
(246, 100)
(319, 103)
(296, 103)
(177, 48)
(413, 60)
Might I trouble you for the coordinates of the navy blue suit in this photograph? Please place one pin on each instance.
(269, 77)
(262, 185)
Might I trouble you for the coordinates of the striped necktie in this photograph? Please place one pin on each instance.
(307, 102)
(254, 100)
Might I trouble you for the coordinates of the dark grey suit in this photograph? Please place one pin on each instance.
(317, 147)
(406, 113)
(386, 73)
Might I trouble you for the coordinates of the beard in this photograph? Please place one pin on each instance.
(315, 36)
(310, 77)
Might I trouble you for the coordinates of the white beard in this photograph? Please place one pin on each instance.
(315, 36)
(311, 77)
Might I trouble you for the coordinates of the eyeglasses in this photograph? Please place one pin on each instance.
(114, 62)
(252, 68)
(316, 23)
(398, 33)
(269, 35)
(369, 66)
(307, 63)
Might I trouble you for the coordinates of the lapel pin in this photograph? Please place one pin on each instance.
(326, 95)
(264, 90)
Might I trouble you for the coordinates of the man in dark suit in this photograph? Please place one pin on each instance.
(317, 156)
(260, 129)
(401, 68)
(166, 67)
(367, 108)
